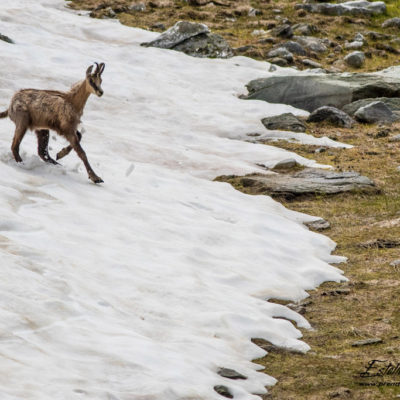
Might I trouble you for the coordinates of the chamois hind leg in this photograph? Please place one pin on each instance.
(73, 139)
(21, 126)
(66, 150)
(43, 143)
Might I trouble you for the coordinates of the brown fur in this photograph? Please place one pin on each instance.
(41, 110)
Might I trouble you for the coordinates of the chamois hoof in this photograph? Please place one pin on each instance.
(96, 179)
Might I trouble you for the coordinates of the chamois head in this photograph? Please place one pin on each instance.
(93, 80)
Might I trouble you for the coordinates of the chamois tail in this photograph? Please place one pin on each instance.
(4, 114)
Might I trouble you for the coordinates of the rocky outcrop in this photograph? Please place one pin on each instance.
(376, 111)
(193, 39)
(355, 8)
(310, 92)
(309, 181)
(284, 122)
(331, 115)
(392, 103)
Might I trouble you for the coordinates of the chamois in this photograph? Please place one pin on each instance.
(44, 110)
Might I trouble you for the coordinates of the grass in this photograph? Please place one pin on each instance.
(371, 308)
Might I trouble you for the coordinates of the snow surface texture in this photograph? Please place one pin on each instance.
(143, 287)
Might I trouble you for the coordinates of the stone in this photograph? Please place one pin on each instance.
(294, 48)
(376, 111)
(258, 32)
(281, 62)
(395, 263)
(311, 63)
(395, 139)
(223, 391)
(356, 59)
(318, 225)
(336, 292)
(312, 43)
(206, 45)
(289, 163)
(193, 39)
(340, 393)
(5, 38)
(178, 33)
(354, 8)
(392, 23)
(308, 182)
(367, 342)
(380, 244)
(331, 115)
(304, 29)
(309, 92)
(137, 7)
(359, 37)
(284, 122)
(281, 52)
(353, 45)
(391, 102)
(159, 26)
(253, 12)
(284, 31)
(230, 374)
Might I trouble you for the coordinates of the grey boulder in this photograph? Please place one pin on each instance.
(356, 59)
(392, 23)
(375, 112)
(294, 48)
(309, 181)
(193, 39)
(331, 115)
(309, 92)
(284, 122)
(281, 52)
(391, 102)
(312, 43)
(355, 8)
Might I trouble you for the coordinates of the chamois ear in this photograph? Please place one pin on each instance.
(89, 71)
(102, 66)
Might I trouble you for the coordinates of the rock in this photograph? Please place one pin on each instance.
(5, 38)
(159, 26)
(332, 115)
(395, 263)
(137, 7)
(355, 8)
(284, 31)
(223, 391)
(272, 348)
(376, 111)
(309, 181)
(395, 138)
(281, 62)
(284, 122)
(253, 12)
(336, 292)
(353, 45)
(359, 37)
(230, 374)
(311, 63)
(312, 43)
(304, 29)
(377, 36)
(340, 393)
(281, 52)
(391, 102)
(319, 224)
(367, 342)
(193, 39)
(206, 45)
(356, 59)
(294, 47)
(289, 163)
(312, 91)
(392, 23)
(380, 244)
(258, 32)
(178, 33)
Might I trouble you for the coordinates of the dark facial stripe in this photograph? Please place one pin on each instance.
(93, 85)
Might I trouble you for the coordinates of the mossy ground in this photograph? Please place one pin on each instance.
(234, 24)
(371, 309)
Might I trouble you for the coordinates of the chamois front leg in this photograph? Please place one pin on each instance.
(73, 139)
(66, 150)
(43, 143)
